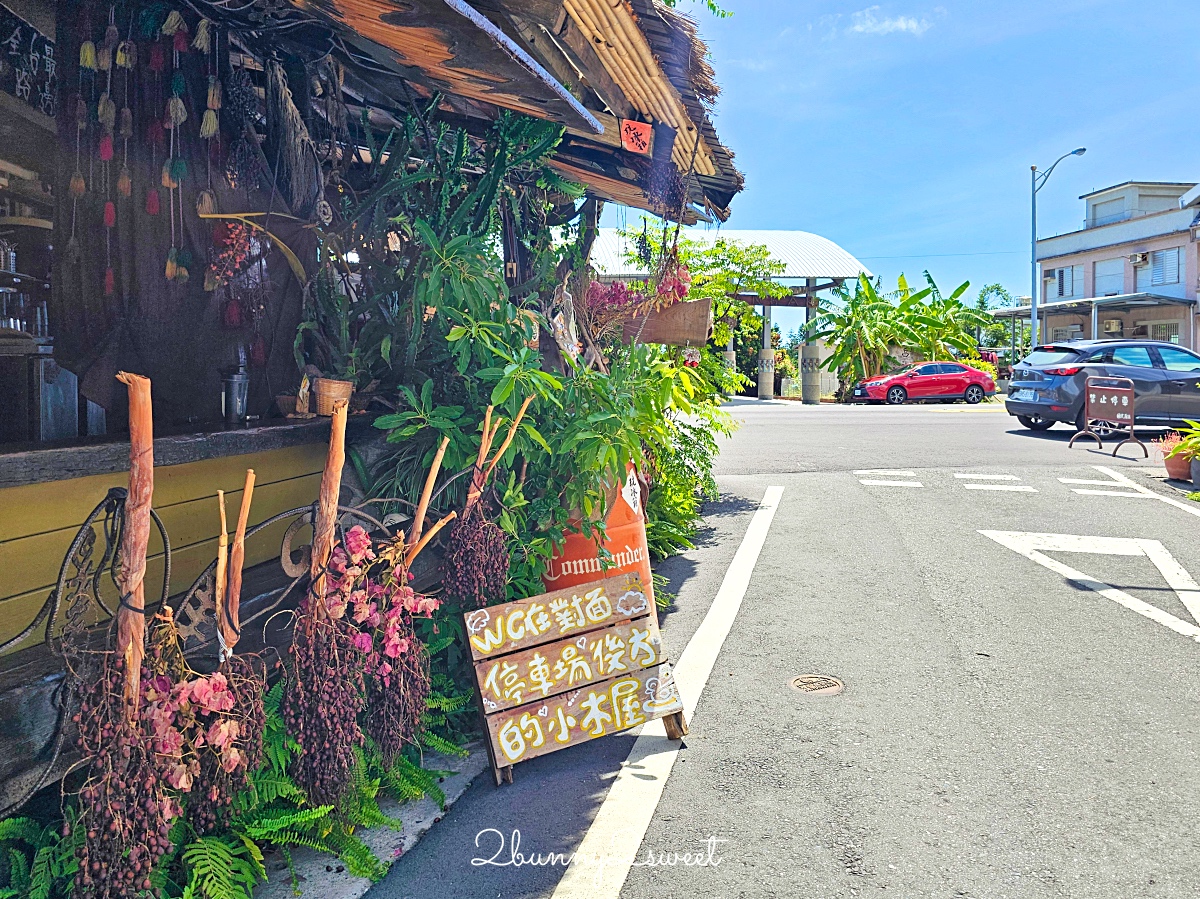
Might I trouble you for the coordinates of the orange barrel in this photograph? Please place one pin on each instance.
(578, 562)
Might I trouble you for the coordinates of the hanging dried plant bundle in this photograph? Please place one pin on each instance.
(135, 537)
(125, 805)
(475, 566)
(398, 687)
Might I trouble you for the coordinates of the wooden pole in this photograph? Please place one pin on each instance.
(222, 571)
(419, 519)
(325, 522)
(231, 623)
(135, 535)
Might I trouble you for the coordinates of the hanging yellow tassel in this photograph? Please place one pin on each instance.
(125, 182)
(111, 36)
(106, 112)
(78, 185)
(208, 125)
(168, 179)
(87, 56)
(215, 94)
(172, 266)
(176, 112)
(127, 55)
(173, 23)
(126, 122)
(181, 274)
(104, 58)
(206, 202)
(203, 39)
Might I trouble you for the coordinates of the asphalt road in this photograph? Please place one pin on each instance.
(1005, 730)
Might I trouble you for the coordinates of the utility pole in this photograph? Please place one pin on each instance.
(766, 360)
(810, 353)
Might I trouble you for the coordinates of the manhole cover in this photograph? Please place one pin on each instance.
(817, 684)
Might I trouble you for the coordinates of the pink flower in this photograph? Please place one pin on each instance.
(180, 777)
(384, 669)
(170, 742)
(230, 759)
(358, 544)
(363, 642)
(394, 647)
(224, 732)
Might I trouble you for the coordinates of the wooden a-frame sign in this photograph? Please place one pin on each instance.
(570, 666)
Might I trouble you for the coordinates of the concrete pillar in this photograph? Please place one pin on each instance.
(766, 360)
(730, 354)
(810, 354)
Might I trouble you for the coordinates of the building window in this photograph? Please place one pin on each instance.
(1109, 275)
(1168, 332)
(1164, 266)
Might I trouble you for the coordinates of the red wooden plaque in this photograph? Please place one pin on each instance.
(1111, 404)
(636, 136)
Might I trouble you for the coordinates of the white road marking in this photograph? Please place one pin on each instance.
(610, 847)
(1111, 493)
(1092, 483)
(987, 477)
(1033, 546)
(894, 473)
(1012, 488)
(871, 483)
(1192, 508)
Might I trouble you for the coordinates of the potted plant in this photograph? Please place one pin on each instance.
(1179, 449)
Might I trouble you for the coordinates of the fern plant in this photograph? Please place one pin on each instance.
(37, 861)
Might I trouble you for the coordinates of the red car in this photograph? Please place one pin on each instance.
(928, 381)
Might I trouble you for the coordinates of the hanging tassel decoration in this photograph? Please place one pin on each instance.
(179, 169)
(78, 185)
(112, 36)
(172, 264)
(173, 23)
(106, 112)
(81, 112)
(126, 129)
(215, 94)
(87, 56)
(110, 214)
(158, 58)
(106, 148)
(110, 282)
(176, 112)
(203, 39)
(180, 39)
(208, 124)
(153, 205)
(104, 58)
(127, 55)
(168, 180)
(178, 84)
(206, 202)
(125, 182)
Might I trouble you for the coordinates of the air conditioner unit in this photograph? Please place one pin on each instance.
(1139, 258)
(1113, 326)
(1049, 274)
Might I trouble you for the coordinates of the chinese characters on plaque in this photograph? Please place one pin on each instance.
(636, 136)
(28, 69)
(570, 666)
(1112, 404)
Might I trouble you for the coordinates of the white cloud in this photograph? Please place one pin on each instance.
(868, 21)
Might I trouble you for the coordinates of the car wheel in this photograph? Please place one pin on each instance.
(1036, 422)
(974, 394)
(896, 396)
(1099, 428)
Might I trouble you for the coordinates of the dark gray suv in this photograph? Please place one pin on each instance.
(1047, 385)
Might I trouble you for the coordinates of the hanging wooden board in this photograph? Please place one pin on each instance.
(570, 666)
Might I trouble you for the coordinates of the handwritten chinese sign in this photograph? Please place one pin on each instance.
(636, 136)
(28, 69)
(570, 666)
(1111, 404)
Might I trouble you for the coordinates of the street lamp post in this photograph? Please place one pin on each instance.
(1037, 180)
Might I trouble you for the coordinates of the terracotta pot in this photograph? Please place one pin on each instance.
(579, 560)
(1179, 468)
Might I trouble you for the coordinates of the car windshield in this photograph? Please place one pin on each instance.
(1050, 355)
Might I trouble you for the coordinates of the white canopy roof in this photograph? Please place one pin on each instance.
(805, 255)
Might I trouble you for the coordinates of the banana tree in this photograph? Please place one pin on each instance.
(943, 325)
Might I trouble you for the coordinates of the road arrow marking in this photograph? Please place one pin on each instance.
(1034, 547)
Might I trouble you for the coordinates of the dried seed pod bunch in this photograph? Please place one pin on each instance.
(475, 566)
(324, 695)
(126, 805)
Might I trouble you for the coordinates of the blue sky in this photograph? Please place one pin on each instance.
(907, 129)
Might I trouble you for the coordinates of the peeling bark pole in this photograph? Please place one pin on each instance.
(135, 535)
(325, 521)
(230, 622)
(221, 579)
